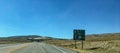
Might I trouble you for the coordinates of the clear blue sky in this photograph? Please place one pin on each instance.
(58, 18)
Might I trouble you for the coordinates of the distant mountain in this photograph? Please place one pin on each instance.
(92, 37)
(103, 37)
(106, 34)
(25, 36)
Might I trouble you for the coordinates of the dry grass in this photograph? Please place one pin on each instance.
(91, 47)
(98, 44)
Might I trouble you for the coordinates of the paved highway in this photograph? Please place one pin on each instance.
(7, 48)
(4, 45)
(34, 48)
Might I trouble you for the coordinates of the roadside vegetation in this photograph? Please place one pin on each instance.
(96, 43)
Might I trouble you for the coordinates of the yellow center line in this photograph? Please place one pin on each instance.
(16, 49)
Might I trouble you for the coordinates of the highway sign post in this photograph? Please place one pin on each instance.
(78, 35)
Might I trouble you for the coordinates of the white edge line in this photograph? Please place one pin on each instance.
(59, 49)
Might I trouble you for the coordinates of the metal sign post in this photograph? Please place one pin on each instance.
(75, 44)
(82, 44)
(78, 35)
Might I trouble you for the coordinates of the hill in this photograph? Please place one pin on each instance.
(103, 37)
(17, 39)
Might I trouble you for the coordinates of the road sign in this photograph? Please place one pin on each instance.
(79, 34)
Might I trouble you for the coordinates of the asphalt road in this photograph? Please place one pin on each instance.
(34, 48)
(8, 48)
(4, 45)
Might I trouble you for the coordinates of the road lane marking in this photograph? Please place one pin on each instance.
(43, 49)
(8, 51)
(59, 49)
(15, 49)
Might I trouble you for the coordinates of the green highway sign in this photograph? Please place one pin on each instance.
(79, 34)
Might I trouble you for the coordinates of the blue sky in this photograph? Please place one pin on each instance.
(58, 18)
